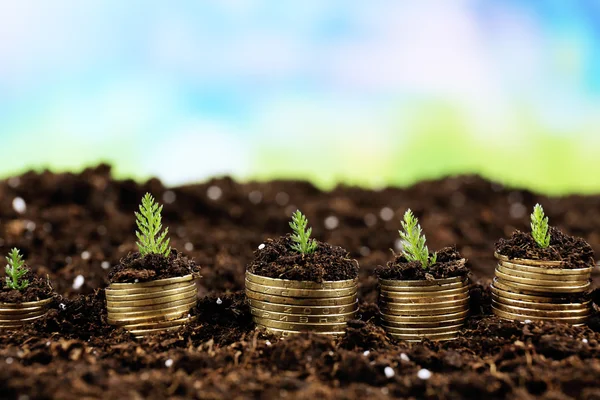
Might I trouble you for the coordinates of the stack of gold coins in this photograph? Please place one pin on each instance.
(287, 307)
(15, 315)
(150, 307)
(538, 290)
(433, 309)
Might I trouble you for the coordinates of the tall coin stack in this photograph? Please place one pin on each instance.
(434, 309)
(287, 307)
(15, 315)
(538, 290)
(149, 307)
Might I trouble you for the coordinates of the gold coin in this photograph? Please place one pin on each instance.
(151, 313)
(425, 318)
(165, 317)
(529, 262)
(157, 282)
(152, 295)
(424, 331)
(414, 297)
(302, 293)
(423, 325)
(550, 267)
(291, 326)
(417, 338)
(421, 289)
(149, 302)
(11, 326)
(444, 293)
(539, 305)
(22, 316)
(6, 311)
(534, 289)
(23, 320)
(304, 319)
(124, 310)
(520, 317)
(290, 284)
(387, 309)
(505, 291)
(304, 310)
(294, 301)
(158, 324)
(151, 289)
(285, 333)
(28, 304)
(558, 314)
(542, 284)
(515, 270)
(421, 282)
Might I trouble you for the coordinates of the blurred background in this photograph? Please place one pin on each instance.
(369, 93)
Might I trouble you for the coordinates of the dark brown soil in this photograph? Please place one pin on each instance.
(38, 289)
(277, 260)
(135, 268)
(449, 263)
(83, 224)
(574, 252)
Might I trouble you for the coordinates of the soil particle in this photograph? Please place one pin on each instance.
(449, 264)
(574, 252)
(38, 289)
(328, 263)
(137, 268)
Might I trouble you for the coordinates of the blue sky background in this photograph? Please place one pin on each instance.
(384, 92)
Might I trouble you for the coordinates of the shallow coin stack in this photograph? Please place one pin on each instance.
(413, 310)
(15, 315)
(150, 307)
(287, 307)
(539, 291)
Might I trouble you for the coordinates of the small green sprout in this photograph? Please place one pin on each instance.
(413, 241)
(15, 270)
(539, 227)
(148, 220)
(301, 237)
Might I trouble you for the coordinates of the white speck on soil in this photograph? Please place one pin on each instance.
(282, 198)
(68, 259)
(19, 205)
(517, 210)
(189, 246)
(85, 255)
(169, 363)
(389, 372)
(386, 214)
(30, 226)
(214, 192)
(169, 197)
(261, 246)
(136, 280)
(385, 391)
(78, 282)
(14, 182)
(267, 343)
(366, 353)
(219, 301)
(62, 306)
(101, 229)
(424, 374)
(105, 265)
(404, 357)
(9, 360)
(255, 196)
(584, 340)
(331, 222)
(364, 251)
(527, 321)
(370, 219)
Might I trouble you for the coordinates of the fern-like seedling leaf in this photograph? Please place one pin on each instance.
(301, 237)
(149, 222)
(413, 241)
(15, 271)
(539, 227)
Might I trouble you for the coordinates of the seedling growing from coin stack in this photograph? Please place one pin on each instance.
(15, 271)
(539, 227)
(301, 237)
(149, 222)
(413, 241)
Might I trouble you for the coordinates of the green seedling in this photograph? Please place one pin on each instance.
(413, 241)
(301, 237)
(539, 227)
(151, 240)
(15, 270)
